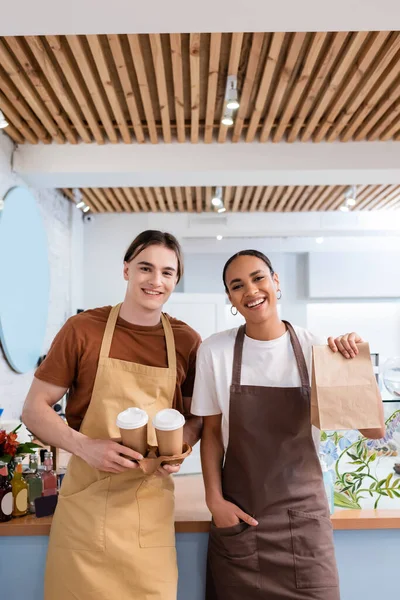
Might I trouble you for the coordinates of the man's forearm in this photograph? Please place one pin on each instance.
(212, 456)
(192, 430)
(48, 427)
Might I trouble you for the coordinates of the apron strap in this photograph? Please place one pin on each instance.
(109, 331)
(298, 352)
(237, 356)
(170, 342)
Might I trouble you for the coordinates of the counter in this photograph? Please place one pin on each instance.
(192, 515)
(366, 543)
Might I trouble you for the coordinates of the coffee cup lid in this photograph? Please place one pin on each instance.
(168, 419)
(132, 418)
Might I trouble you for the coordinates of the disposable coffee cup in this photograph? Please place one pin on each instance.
(168, 424)
(132, 424)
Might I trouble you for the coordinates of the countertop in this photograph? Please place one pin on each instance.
(193, 516)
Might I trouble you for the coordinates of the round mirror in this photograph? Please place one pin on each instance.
(24, 280)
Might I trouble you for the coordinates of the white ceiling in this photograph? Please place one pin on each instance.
(183, 16)
(208, 164)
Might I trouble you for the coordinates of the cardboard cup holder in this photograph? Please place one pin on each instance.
(150, 463)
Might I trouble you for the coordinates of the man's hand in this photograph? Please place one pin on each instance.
(166, 470)
(345, 344)
(227, 514)
(106, 455)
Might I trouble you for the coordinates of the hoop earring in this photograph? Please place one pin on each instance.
(280, 295)
(234, 313)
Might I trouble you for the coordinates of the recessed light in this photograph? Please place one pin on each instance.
(319, 240)
(219, 237)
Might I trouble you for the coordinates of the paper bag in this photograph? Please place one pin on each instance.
(344, 392)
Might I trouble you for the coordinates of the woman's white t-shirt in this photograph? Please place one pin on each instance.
(264, 363)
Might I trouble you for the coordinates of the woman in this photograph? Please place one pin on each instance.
(271, 535)
(112, 536)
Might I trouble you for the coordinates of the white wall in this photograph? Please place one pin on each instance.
(65, 245)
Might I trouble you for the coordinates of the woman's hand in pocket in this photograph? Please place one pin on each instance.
(227, 514)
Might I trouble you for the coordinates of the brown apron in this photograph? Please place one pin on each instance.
(272, 472)
(112, 536)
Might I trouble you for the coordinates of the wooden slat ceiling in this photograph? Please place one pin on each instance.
(237, 199)
(151, 88)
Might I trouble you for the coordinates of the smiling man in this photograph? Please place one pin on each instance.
(113, 528)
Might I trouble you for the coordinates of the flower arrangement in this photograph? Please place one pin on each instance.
(357, 478)
(10, 448)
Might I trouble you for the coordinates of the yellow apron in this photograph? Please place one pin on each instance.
(112, 536)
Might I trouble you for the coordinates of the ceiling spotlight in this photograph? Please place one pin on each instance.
(344, 208)
(222, 209)
(216, 201)
(319, 240)
(3, 121)
(227, 119)
(351, 196)
(219, 237)
(231, 95)
(86, 209)
(217, 198)
(80, 205)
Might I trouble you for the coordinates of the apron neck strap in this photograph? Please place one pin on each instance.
(109, 331)
(170, 342)
(298, 353)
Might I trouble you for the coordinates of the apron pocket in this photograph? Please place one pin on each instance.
(79, 520)
(313, 550)
(155, 498)
(233, 555)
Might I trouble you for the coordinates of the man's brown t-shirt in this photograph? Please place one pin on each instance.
(73, 357)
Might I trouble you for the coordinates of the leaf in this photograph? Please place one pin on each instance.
(396, 494)
(16, 429)
(353, 456)
(372, 457)
(324, 436)
(343, 501)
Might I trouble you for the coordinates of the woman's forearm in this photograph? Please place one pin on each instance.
(212, 455)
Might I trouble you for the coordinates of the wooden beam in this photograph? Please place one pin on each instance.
(189, 199)
(177, 72)
(103, 69)
(199, 199)
(249, 81)
(194, 86)
(286, 76)
(89, 196)
(244, 206)
(298, 191)
(227, 197)
(269, 70)
(179, 199)
(114, 41)
(302, 79)
(30, 94)
(256, 198)
(135, 195)
(109, 201)
(14, 134)
(309, 203)
(150, 199)
(76, 84)
(326, 192)
(170, 200)
(24, 132)
(159, 69)
(331, 51)
(138, 63)
(284, 198)
(123, 200)
(213, 72)
(383, 197)
(359, 100)
(233, 67)
(78, 48)
(268, 191)
(336, 79)
(237, 198)
(208, 192)
(355, 80)
(274, 199)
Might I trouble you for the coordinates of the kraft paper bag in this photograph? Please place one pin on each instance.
(344, 392)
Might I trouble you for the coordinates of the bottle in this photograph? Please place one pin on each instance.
(34, 481)
(19, 490)
(328, 483)
(49, 478)
(6, 497)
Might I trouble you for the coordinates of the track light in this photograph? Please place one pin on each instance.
(351, 196)
(227, 119)
(3, 121)
(217, 198)
(344, 208)
(221, 210)
(85, 210)
(231, 95)
(80, 205)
